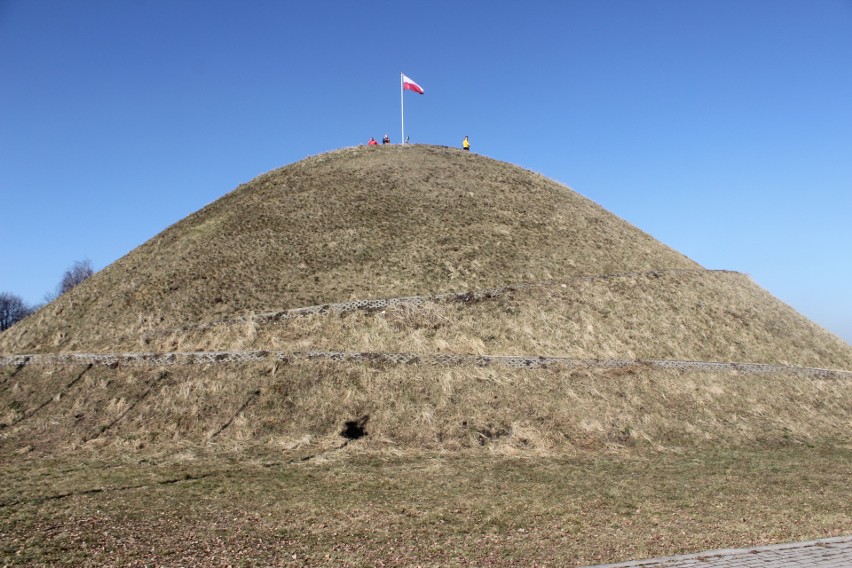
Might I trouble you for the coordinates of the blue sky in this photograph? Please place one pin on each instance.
(723, 128)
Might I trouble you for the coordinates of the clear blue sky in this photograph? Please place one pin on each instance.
(723, 128)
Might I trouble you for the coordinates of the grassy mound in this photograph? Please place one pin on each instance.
(278, 461)
(355, 223)
(566, 279)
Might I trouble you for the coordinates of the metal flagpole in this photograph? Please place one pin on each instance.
(401, 110)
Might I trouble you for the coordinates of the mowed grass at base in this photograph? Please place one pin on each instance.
(355, 508)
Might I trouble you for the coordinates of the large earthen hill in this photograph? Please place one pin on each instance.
(417, 296)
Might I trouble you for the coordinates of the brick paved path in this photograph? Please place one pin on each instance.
(824, 553)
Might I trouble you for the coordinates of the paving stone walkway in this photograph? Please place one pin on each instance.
(823, 553)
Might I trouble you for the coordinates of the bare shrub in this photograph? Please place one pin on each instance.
(12, 310)
(79, 271)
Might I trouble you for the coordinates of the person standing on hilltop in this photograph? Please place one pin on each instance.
(372, 142)
(386, 139)
(466, 144)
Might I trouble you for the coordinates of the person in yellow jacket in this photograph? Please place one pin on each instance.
(466, 144)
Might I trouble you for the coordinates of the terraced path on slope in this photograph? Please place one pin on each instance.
(341, 308)
(442, 359)
(222, 357)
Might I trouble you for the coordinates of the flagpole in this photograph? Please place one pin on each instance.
(401, 111)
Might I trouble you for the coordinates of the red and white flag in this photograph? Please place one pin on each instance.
(409, 85)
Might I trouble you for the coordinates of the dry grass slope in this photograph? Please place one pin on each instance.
(691, 316)
(305, 405)
(390, 222)
(355, 223)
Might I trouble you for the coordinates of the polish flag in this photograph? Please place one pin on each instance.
(409, 85)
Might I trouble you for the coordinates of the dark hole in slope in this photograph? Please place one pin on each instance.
(354, 429)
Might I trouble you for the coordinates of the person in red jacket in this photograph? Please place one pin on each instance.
(372, 142)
